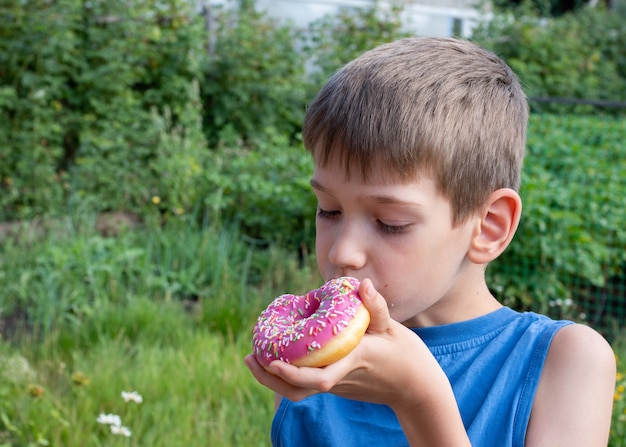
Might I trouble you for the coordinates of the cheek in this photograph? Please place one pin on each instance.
(326, 233)
(412, 268)
(322, 247)
(321, 237)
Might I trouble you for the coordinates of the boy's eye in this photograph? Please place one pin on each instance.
(326, 214)
(393, 229)
(385, 228)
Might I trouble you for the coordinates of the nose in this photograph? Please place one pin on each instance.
(348, 249)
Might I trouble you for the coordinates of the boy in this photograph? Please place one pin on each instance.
(418, 147)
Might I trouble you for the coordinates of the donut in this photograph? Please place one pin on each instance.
(316, 329)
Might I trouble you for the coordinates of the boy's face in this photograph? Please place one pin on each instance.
(399, 235)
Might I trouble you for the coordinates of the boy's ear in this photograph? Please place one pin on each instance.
(496, 228)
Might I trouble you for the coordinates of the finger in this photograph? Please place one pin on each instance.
(376, 305)
(313, 379)
(274, 381)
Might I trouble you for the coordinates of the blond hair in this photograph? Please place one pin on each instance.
(439, 105)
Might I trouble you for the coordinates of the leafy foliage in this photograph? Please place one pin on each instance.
(572, 225)
(574, 56)
(80, 85)
(265, 190)
(36, 48)
(335, 40)
(109, 106)
(253, 78)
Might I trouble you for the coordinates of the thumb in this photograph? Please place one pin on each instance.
(376, 305)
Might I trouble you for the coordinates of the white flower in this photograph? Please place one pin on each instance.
(132, 396)
(120, 430)
(110, 419)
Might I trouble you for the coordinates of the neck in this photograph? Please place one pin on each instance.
(469, 300)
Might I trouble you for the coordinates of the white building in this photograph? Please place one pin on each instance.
(425, 18)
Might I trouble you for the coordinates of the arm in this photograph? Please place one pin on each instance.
(574, 400)
(390, 366)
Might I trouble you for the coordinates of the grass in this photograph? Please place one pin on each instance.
(195, 388)
(166, 313)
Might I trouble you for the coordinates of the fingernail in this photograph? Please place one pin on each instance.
(366, 288)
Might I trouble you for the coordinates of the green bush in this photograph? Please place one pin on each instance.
(578, 55)
(334, 40)
(265, 190)
(81, 83)
(253, 78)
(106, 106)
(572, 226)
(37, 45)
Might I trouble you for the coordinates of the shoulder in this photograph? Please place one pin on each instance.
(575, 394)
(578, 351)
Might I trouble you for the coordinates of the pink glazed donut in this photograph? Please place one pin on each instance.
(316, 329)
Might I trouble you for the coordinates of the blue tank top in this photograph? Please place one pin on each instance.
(493, 363)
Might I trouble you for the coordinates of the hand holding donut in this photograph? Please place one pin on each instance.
(377, 370)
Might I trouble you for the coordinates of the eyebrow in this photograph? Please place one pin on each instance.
(381, 199)
(317, 185)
